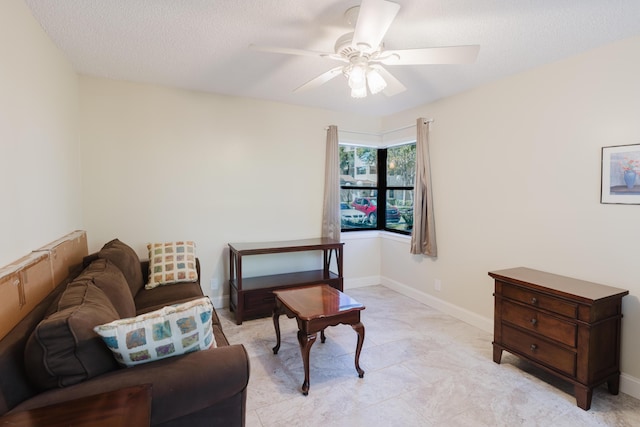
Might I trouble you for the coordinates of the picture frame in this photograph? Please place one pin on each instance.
(620, 183)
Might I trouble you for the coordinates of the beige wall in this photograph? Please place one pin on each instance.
(516, 175)
(39, 152)
(161, 164)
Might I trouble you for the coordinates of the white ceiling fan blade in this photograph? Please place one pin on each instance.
(320, 80)
(289, 51)
(394, 86)
(431, 55)
(374, 19)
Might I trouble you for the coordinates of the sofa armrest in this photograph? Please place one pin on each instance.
(181, 385)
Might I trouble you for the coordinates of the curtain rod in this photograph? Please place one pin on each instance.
(404, 127)
(380, 133)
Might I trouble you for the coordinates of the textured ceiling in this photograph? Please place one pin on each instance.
(203, 44)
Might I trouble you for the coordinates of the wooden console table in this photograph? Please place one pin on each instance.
(129, 406)
(251, 297)
(568, 327)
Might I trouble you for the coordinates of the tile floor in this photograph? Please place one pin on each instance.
(422, 368)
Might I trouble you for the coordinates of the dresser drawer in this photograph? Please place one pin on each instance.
(543, 324)
(542, 351)
(539, 300)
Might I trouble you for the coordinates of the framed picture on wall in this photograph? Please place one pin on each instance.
(621, 175)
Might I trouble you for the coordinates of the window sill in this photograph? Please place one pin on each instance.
(355, 235)
(370, 234)
(404, 238)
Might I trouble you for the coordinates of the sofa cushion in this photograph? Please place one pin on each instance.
(63, 349)
(126, 259)
(171, 262)
(170, 331)
(152, 299)
(106, 276)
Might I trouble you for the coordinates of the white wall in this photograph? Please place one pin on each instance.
(361, 258)
(516, 176)
(39, 152)
(162, 164)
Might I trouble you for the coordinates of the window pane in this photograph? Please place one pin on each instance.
(401, 165)
(358, 209)
(400, 210)
(358, 166)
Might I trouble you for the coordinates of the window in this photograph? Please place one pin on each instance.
(401, 175)
(372, 177)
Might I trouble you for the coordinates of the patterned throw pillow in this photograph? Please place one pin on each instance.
(170, 331)
(171, 262)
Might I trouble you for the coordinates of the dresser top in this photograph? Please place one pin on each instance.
(559, 285)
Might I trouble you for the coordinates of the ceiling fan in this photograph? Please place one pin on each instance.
(363, 54)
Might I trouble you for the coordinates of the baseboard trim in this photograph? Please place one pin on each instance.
(220, 302)
(445, 307)
(361, 282)
(630, 385)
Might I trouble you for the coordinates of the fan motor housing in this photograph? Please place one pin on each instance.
(344, 47)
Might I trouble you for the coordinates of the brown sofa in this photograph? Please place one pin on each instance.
(53, 355)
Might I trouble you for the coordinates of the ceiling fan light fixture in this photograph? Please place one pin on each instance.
(357, 76)
(359, 92)
(375, 81)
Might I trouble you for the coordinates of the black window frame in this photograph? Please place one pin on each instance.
(381, 190)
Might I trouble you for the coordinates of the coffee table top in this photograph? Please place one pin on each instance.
(312, 302)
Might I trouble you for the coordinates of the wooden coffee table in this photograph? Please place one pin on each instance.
(315, 308)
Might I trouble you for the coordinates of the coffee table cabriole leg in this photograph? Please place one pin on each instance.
(306, 341)
(359, 328)
(276, 324)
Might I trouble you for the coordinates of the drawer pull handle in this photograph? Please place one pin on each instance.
(534, 347)
(534, 322)
(534, 300)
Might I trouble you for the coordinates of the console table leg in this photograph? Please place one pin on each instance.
(323, 338)
(359, 328)
(306, 341)
(583, 396)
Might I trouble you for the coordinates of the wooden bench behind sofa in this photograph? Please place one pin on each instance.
(27, 281)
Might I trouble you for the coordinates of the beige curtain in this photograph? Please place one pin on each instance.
(423, 238)
(331, 206)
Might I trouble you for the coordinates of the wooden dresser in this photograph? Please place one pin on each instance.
(566, 326)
